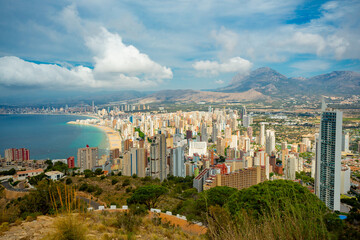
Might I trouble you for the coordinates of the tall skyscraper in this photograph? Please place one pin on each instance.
(135, 162)
(214, 132)
(262, 134)
(158, 164)
(345, 143)
(87, 158)
(177, 162)
(270, 141)
(247, 121)
(328, 166)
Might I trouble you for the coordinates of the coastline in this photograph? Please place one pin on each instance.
(113, 136)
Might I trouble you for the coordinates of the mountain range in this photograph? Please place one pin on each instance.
(271, 83)
(263, 84)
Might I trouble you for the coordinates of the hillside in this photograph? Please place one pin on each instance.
(271, 83)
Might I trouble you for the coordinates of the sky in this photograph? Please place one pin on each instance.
(109, 45)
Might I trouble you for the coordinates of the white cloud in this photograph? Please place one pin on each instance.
(113, 56)
(227, 39)
(236, 64)
(117, 66)
(219, 82)
(17, 72)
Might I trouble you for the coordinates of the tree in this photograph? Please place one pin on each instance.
(88, 173)
(68, 181)
(98, 171)
(148, 195)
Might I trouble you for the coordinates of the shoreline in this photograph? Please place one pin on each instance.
(54, 114)
(113, 136)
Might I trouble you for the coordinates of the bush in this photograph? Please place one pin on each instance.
(83, 187)
(114, 181)
(129, 189)
(126, 182)
(68, 228)
(128, 221)
(68, 181)
(102, 177)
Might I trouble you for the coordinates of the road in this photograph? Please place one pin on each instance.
(7, 185)
(92, 203)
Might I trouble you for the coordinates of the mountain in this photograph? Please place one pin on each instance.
(189, 95)
(271, 83)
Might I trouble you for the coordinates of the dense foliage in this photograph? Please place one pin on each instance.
(148, 195)
(9, 172)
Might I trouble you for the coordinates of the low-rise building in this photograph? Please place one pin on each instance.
(22, 175)
(54, 175)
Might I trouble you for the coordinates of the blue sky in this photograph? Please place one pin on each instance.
(150, 45)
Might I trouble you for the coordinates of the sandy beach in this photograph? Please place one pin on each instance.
(113, 136)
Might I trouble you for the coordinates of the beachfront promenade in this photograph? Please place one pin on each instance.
(113, 136)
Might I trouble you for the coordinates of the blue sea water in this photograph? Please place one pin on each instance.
(48, 136)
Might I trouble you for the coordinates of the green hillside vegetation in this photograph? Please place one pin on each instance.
(270, 210)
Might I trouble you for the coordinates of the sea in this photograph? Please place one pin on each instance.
(49, 136)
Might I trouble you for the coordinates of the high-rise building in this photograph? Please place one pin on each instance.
(203, 131)
(345, 179)
(177, 162)
(214, 133)
(345, 143)
(158, 164)
(270, 141)
(71, 162)
(134, 162)
(17, 155)
(328, 167)
(247, 121)
(250, 132)
(290, 167)
(114, 153)
(87, 158)
(243, 112)
(262, 134)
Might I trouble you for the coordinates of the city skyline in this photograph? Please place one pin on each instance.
(133, 45)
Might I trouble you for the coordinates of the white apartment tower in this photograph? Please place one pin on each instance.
(270, 141)
(262, 134)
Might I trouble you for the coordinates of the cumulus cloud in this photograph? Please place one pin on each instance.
(116, 66)
(236, 64)
(113, 56)
(17, 72)
(226, 38)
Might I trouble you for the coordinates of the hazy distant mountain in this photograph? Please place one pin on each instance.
(270, 82)
(189, 95)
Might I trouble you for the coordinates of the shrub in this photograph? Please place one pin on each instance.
(114, 181)
(126, 182)
(83, 187)
(102, 177)
(68, 181)
(69, 228)
(128, 221)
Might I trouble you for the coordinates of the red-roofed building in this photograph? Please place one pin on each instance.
(22, 175)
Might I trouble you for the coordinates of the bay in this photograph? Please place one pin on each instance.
(49, 136)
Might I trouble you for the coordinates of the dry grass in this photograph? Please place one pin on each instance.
(69, 227)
